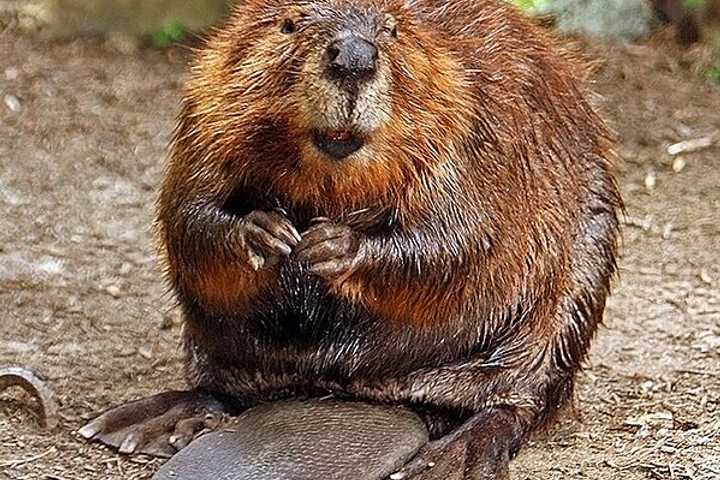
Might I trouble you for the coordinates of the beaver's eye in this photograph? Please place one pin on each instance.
(288, 27)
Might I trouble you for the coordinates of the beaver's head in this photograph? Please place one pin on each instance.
(339, 99)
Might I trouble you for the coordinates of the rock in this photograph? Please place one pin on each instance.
(626, 19)
(304, 441)
(11, 73)
(13, 103)
(114, 291)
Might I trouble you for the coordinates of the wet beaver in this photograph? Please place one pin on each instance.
(406, 202)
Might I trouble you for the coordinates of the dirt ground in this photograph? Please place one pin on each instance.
(83, 134)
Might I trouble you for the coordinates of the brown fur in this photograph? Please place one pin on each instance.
(484, 204)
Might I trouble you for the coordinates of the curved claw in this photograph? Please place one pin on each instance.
(412, 469)
(442, 459)
(159, 425)
(31, 383)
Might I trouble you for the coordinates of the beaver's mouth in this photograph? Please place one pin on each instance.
(337, 144)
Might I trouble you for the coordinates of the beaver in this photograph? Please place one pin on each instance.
(406, 202)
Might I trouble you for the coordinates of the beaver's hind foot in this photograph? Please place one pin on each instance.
(480, 449)
(159, 425)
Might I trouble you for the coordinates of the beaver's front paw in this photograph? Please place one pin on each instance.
(159, 425)
(267, 236)
(331, 250)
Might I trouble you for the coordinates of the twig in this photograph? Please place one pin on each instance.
(15, 463)
(689, 146)
(691, 371)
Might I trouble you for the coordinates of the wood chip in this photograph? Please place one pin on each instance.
(679, 164)
(650, 181)
(22, 377)
(689, 146)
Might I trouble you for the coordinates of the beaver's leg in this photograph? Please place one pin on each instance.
(540, 384)
(158, 425)
(217, 259)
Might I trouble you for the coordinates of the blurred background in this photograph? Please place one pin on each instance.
(162, 22)
(89, 91)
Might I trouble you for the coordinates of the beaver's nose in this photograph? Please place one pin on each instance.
(351, 58)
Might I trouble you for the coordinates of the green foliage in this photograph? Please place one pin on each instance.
(694, 4)
(168, 35)
(524, 4)
(713, 74)
(529, 5)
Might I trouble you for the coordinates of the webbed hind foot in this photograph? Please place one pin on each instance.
(159, 425)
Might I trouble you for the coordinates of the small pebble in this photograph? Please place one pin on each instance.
(679, 164)
(145, 352)
(127, 352)
(167, 323)
(667, 231)
(113, 291)
(647, 387)
(12, 73)
(650, 181)
(13, 103)
(705, 277)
